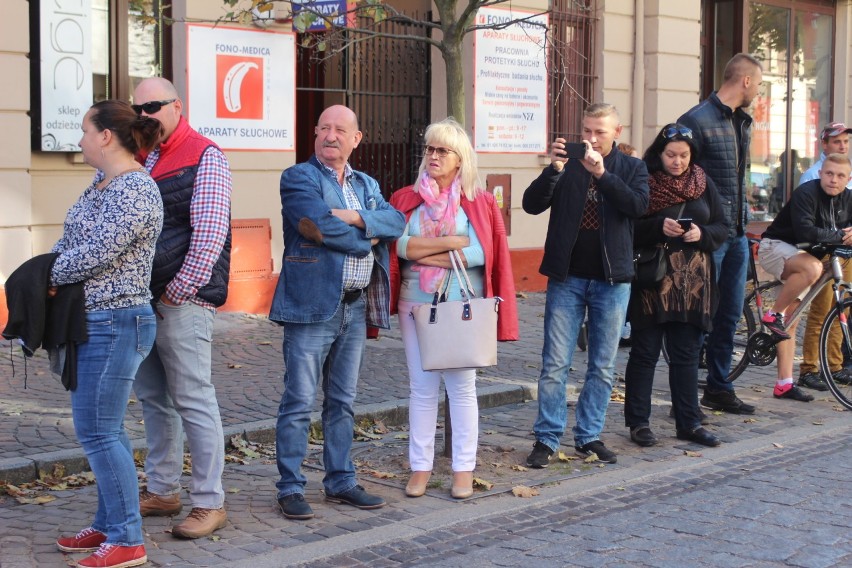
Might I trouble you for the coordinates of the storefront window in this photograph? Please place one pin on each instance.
(795, 45)
(143, 55)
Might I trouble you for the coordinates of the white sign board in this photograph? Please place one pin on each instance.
(241, 86)
(510, 89)
(66, 73)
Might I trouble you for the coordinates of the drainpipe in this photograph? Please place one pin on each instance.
(638, 110)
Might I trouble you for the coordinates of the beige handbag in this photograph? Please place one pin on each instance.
(460, 334)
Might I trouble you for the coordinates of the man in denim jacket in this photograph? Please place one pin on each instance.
(334, 282)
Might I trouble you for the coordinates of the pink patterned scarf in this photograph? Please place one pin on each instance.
(437, 219)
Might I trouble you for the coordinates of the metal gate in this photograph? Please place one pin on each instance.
(572, 65)
(387, 83)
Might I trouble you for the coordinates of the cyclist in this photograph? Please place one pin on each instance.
(820, 211)
(835, 139)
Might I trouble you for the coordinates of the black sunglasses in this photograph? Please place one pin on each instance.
(673, 131)
(151, 107)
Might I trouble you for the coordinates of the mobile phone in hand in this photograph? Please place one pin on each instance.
(575, 150)
(685, 224)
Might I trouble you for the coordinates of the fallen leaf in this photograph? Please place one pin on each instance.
(401, 437)
(265, 343)
(489, 432)
(592, 458)
(750, 420)
(215, 537)
(519, 468)
(382, 474)
(563, 457)
(40, 500)
(817, 423)
(234, 366)
(234, 490)
(777, 445)
(620, 489)
(691, 454)
(483, 484)
(524, 491)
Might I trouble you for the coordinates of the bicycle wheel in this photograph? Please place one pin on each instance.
(837, 319)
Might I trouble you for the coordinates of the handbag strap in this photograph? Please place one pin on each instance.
(454, 254)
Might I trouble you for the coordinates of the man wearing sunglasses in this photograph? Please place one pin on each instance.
(189, 281)
(721, 128)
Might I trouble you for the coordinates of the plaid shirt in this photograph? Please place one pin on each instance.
(210, 219)
(356, 270)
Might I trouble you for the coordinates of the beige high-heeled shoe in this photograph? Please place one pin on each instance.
(416, 486)
(462, 485)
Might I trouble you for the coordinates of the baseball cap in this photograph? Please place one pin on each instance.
(834, 129)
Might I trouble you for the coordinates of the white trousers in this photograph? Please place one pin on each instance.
(423, 407)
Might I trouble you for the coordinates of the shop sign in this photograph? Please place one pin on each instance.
(241, 86)
(66, 73)
(317, 13)
(510, 88)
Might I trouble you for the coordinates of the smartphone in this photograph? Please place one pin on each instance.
(685, 224)
(575, 150)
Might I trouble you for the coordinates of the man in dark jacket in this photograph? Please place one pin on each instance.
(588, 259)
(721, 129)
(820, 211)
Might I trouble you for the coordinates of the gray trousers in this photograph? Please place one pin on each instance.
(177, 395)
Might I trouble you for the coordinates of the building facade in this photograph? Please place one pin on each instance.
(653, 59)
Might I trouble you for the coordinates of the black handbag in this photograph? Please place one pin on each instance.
(649, 266)
(649, 263)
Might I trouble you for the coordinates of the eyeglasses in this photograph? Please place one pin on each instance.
(442, 152)
(673, 131)
(151, 107)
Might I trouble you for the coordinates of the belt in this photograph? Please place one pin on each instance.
(350, 296)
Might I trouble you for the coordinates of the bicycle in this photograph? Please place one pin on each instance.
(761, 347)
(753, 344)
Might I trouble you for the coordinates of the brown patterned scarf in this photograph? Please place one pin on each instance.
(668, 190)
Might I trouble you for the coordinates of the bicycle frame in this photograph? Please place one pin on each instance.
(832, 271)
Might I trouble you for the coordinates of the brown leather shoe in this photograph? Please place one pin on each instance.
(153, 505)
(201, 522)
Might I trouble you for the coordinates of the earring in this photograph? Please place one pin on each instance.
(103, 157)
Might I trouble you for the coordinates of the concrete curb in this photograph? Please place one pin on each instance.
(26, 469)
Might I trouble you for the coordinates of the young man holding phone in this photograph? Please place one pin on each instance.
(589, 270)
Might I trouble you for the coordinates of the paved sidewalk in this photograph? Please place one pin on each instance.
(36, 425)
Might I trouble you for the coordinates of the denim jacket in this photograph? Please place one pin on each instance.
(310, 287)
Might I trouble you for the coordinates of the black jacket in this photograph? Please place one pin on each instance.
(624, 189)
(812, 216)
(39, 321)
(715, 127)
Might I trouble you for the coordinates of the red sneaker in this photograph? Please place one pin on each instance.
(114, 556)
(87, 540)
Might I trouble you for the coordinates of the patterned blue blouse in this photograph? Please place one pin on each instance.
(109, 239)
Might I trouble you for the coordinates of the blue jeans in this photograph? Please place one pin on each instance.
(176, 390)
(731, 263)
(331, 352)
(565, 309)
(106, 365)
